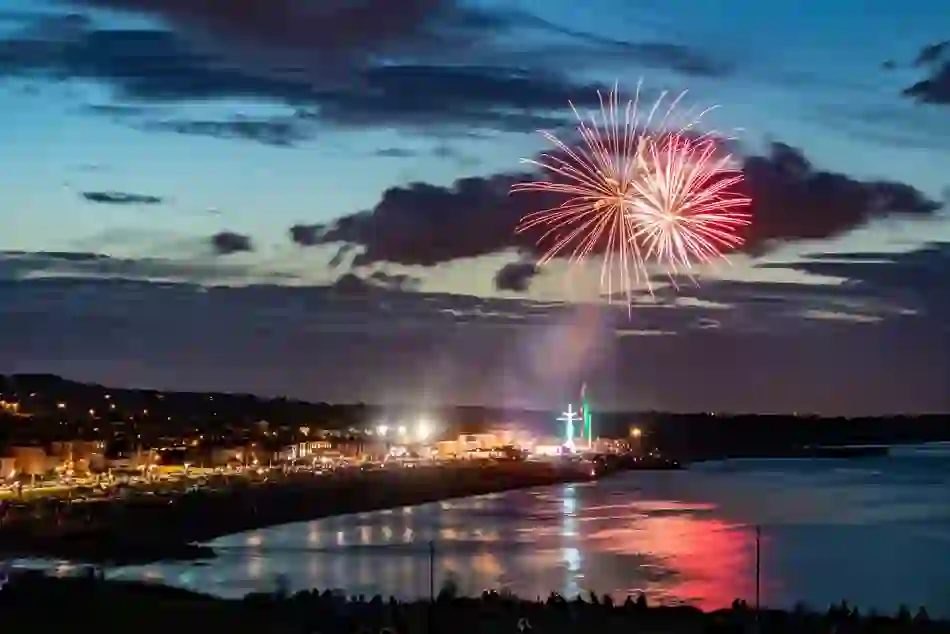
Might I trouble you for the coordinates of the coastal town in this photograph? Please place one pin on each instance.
(97, 474)
(65, 440)
(104, 444)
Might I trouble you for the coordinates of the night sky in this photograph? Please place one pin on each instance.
(310, 198)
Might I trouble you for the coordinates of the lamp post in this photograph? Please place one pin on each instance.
(636, 435)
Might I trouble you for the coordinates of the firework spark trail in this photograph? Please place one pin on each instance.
(603, 180)
(686, 207)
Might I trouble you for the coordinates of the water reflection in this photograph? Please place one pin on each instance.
(570, 554)
(680, 537)
(532, 542)
(687, 558)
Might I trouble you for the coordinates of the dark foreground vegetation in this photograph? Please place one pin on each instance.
(37, 603)
(148, 528)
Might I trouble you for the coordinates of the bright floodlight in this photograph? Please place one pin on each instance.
(402, 430)
(382, 429)
(423, 430)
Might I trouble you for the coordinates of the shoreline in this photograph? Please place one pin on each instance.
(143, 530)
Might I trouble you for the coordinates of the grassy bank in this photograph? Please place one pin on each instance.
(37, 603)
(149, 528)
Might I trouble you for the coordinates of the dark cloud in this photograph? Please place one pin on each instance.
(677, 57)
(228, 243)
(121, 198)
(278, 132)
(353, 284)
(935, 88)
(424, 224)
(432, 348)
(893, 291)
(516, 276)
(395, 343)
(895, 125)
(914, 281)
(323, 61)
(491, 97)
(331, 34)
(441, 151)
(399, 281)
(874, 343)
(335, 35)
(19, 265)
(793, 200)
(341, 255)
(120, 112)
(305, 235)
(395, 152)
(143, 65)
(932, 53)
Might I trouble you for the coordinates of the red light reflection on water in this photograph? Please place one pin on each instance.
(694, 559)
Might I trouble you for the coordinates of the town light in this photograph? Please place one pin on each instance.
(423, 430)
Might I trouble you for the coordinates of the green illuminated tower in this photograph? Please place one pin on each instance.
(586, 417)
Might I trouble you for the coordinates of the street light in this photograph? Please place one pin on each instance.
(402, 430)
(636, 435)
(382, 429)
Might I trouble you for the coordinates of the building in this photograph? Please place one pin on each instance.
(466, 443)
(32, 460)
(446, 449)
(547, 446)
(349, 447)
(512, 436)
(80, 455)
(305, 449)
(608, 445)
(138, 459)
(8, 468)
(374, 449)
(225, 456)
(472, 442)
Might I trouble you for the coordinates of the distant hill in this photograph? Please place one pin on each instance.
(53, 399)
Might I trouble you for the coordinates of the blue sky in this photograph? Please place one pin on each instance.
(296, 119)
